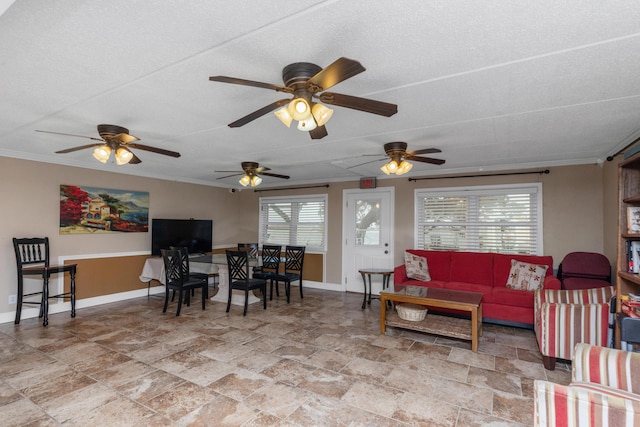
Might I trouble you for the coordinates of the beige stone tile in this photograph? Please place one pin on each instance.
(119, 412)
(507, 383)
(480, 360)
(38, 373)
(514, 408)
(368, 370)
(330, 360)
(322, 411)
(221, 411)
(468, 418)
(181, 400)
(157, 350)
(289, 371)
(79, 402)
(149, 386)
(123, 373)
(521, 368)
(57, 387)
(239, 384)
(327, 383)
(374, 398)
(420, 410)
(225, 351)
(278, 399)
(22, 412)
(430, 349)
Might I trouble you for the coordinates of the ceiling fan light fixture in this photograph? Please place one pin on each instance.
(245, 180)
(255, 181)
(283, 115)
(321, 114)
(299, 109)
(307, 125)
(123, 156)
(404, 167)
(102, 153)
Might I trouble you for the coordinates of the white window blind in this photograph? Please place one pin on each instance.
(299, 221)
(503, 219)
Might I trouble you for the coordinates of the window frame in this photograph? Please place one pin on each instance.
(266, 201)
(535, 189)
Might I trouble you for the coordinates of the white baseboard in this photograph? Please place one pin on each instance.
(29, 312)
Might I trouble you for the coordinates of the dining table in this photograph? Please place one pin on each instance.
(209, 264)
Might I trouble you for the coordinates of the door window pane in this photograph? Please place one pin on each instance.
(367, 222)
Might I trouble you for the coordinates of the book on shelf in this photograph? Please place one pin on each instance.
(630, 310)
(633, 220)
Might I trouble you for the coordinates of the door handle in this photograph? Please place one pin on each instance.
(386, 252)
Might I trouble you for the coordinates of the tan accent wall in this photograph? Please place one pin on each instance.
(578, 215)
(104, 276)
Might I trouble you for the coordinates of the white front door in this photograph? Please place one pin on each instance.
(367, 229)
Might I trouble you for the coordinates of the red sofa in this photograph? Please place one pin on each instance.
(486, 273)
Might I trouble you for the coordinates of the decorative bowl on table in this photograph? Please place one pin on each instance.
(411, 312)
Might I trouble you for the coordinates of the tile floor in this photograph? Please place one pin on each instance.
(320, 361)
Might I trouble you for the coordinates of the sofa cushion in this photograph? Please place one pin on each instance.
(438, 261)
(525, 276)
(511, 297)
(417, 267)
(502, 266)
(472, 267)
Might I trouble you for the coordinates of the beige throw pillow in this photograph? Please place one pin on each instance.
(416, 267)
(525, 276)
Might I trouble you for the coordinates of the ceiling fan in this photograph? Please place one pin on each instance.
(117, 139)
(250, 170)
(306, 81)
(399, 165)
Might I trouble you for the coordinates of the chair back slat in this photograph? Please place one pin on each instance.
(184, 258)
(31, 251)
(238, 264)
(172, 266)
(271, 257)
(295, 258)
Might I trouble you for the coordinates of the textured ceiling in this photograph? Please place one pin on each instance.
(495, 85)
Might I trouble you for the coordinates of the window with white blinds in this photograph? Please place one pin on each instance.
(298, 221)
(503, 219)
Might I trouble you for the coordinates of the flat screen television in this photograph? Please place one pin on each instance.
(195, 234)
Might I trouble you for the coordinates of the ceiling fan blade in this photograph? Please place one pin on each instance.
(362, 104)
(229, 176)
(275, 175)
(154, 150)
(125, 138)
(262, 169)
(134, 160)
(318, 133)
(82, 147)
(424, 151)
(243, 82)
(70, 134)
(258, 113)
(340, 70)
(425, 160)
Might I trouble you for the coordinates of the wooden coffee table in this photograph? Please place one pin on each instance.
(435, 298)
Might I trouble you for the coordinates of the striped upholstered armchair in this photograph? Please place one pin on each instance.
(604, 391)
(565, 318)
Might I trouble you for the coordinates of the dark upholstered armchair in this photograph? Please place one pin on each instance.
(584, 270)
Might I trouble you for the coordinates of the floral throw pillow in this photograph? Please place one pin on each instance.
(525, 276)
(416, 267)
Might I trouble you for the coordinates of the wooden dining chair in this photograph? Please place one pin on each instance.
(292, 270)
(239, 278)
(32, 259)
(177, 280)
(271, 256)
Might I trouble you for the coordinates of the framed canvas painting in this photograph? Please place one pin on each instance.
(100, 210)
